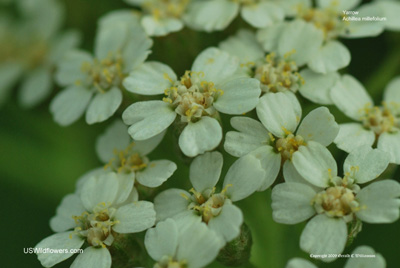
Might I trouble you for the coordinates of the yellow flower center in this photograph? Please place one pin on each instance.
(104, 74)
(169, 262)
(278, 75)
(192, 97)
(161, 9)
(127, 161)
(288, 146)
(379, 119)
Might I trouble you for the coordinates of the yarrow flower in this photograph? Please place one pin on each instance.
(204, 203)
(275, 140)
(105, 207)
(379, 125)
(328, 19)
(128, 159)
(31, 46)
(161, 17)
(279, 69)
(194, 246)
(95, 84)
(336, 202)
(212, 15)
(213, 85)
(360, 257)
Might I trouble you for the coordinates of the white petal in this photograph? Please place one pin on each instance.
(93, 258)
(290, 174)
(91, 173)
(392, 95)
(322, 235)
(161, 27)
(205, 171)
(162, 240)
(390, 143)
(270, 163)
(317, 86)
(302, 37)
(110, 38)
(244, 46)
(115, 137)
(125, 186)
(291, 202)
(197, 138)
(147, 146)
(269, 37)
(262, 14)
(71, 205)
(148, 118)
(320, 126)
(244, 177)
(240, 95)
(58, 241)
(36, 87)
(391, 10)
(68, 105)
(366, 164)
(103, 106)
(379, 202)
(330, 57)
(136, 217)
(377, 262)
(204, 251)
(156, 173)
(69, 70)
(215, 64)
(351, 97)
(278, 114)
(98, 189)
(170, 203)
(228, 222)
(315, 164)
(251, 135)
(338, 5)
(353, 135)
(299, 263)
(211, 15)
(150, 78)
(66, 41)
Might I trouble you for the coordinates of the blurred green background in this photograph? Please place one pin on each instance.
(40, 161)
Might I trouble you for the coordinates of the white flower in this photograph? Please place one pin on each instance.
(213, 85)
(161, 17)
(354, 260)
(391, 10)
(328, 55)
(336, 201)
(195, 246)
(204, 203)
(278, 70)
(31, 46)
(379, 125)
(275, 140)
(105, 207)
(129, 159)
(212, 15)
(121, 45)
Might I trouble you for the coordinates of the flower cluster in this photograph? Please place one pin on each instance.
(261, 81)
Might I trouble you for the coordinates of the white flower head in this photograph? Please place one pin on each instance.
(279, 69)
(105, 207)
(377, 125)
(129, 159)
(216, 15)
(161, 17)
(328, 20)
(94, 84)
(275, 141)
(213, 85)
(31, 46)
(358, 259)
(194, 246)
(336, 201)
(204, 203)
